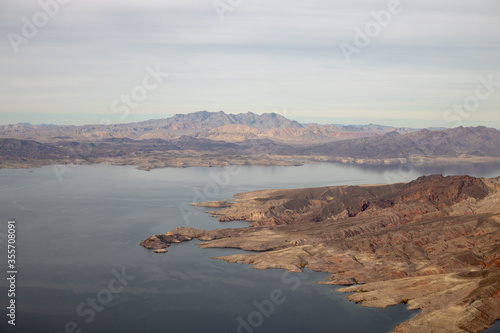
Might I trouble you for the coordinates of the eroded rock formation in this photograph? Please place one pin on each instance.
(433, 243)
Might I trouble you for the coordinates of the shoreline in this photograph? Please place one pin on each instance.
(382, 255)
(269, 160)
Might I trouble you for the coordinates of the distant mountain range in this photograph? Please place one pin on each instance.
(216, 138)
(476, 141)
(204, 120)
(210, 125)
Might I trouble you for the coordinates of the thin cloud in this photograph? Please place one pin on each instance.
(262, 56)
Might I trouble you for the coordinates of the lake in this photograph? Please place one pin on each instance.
(81, 269)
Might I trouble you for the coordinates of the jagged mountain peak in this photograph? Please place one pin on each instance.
(209, 120)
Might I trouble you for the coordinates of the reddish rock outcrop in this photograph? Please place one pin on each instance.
(425, 197)
(432, 243)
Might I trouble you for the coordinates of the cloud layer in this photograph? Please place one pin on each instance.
(258, 56)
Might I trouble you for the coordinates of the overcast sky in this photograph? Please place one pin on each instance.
(251, 55)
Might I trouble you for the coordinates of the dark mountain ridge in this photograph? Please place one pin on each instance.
(476, 141)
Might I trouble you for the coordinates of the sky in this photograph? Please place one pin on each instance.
(407, 63)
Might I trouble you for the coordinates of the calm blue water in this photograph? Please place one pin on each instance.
(80, 266)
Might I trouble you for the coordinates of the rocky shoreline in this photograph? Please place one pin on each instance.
(433, 243)
(192, 160)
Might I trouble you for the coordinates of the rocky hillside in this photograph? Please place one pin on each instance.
(28, 149)
(218, 139)
(475, 141)
(433, 243)
(428, 196)
(209, 125)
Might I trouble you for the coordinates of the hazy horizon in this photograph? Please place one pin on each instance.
(302, 120)
(397, 63)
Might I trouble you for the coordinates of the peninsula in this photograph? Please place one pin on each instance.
(432, 243)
